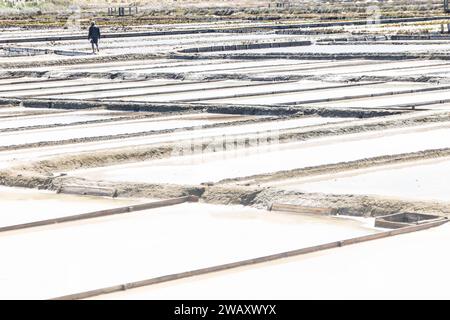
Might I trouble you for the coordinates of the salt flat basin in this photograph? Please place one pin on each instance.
(133, 65)
(21, 80)
(123, 90)
(168, 40)
(306, 65)
(353, 48)
(213, 167)
(387, 68)
(367, 270)
(388, 101)
(68, 88)
(238, 67)
(116, 88)
(45, 83)
(67, 118)
(217, 67)
(9, 157)
(20, 205)
(104, 66)
(308, 96)
(411, 70)
(436, 107)
(72, 257)
(167, 43)
(9, 111)
(261, 90)
(421, 180)
(213, 66)
(118, 127)
(159, 64)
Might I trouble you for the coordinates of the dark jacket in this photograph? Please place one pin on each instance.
(94, 32)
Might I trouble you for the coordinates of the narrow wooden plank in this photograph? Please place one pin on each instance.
(92, 191)
(300, 209)
(101, 213)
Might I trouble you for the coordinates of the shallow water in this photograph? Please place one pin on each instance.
(426, 180)
(206, 167)
(73, 257)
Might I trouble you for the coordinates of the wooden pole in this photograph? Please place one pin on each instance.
(99, 214)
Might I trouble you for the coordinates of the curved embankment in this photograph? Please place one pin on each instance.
(246, 190)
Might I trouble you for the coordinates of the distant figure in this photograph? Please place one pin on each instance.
(94, 36)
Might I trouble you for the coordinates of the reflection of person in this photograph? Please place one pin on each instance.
(94, 36)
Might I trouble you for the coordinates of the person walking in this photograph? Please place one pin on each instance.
(94, 36)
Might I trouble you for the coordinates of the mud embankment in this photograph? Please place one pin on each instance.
(353, 205)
